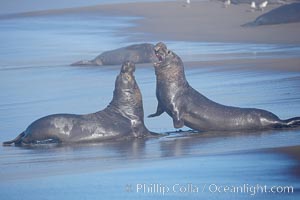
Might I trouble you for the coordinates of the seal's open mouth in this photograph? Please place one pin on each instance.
(160, 50)
(160, 59)
(159, 54)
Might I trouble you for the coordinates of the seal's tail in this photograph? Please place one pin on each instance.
(83, 62)
(292, 122)
(17, 140)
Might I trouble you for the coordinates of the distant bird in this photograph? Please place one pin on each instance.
(227, 3)
(188, 3)
(262, 5)
(253, 6)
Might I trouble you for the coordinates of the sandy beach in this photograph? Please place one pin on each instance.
(230, 64)
(206, 21)
(202, 21)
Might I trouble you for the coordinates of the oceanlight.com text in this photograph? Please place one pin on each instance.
(213, 188)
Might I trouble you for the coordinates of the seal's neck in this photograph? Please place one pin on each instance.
(173, 74)
(128, 102)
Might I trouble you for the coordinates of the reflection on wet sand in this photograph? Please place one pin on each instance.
(114, 155)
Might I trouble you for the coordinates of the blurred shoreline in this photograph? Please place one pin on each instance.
(205, 21)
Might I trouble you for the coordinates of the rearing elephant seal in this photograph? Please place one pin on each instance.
(136, 53)
(188, 107)
(122, 118)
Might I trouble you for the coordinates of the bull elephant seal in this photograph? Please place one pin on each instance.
(188, 107)
(122, 118)
(137, 53)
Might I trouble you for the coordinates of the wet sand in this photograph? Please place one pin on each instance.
(198, 161)
(206, 21)
(116, 169)
(172, 21)
(284, 64)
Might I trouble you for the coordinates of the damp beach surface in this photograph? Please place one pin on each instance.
(36, 80)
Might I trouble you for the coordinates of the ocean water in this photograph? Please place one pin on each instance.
(37, 80)
(200, 51)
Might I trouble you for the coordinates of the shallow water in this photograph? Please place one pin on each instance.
(36, 80)
(202, 51)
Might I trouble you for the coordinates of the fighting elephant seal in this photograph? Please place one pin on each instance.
(137, 53)
(188, 107)
(122, 118)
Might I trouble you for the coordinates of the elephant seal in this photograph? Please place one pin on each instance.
(122, 118)
(137, 53)
(284, 14)
(188, 107)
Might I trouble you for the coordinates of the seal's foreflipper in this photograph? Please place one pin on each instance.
(159, 111)
(17, 140)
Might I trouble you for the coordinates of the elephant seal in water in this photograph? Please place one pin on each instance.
(122, 118)
(137, 53)
(188, 107)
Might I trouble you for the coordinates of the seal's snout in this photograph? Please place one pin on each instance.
(160, 45)
(128, 67)
(161, 51)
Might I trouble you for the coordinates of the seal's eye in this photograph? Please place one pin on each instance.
(169, 52)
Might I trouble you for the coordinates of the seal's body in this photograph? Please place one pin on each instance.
(188, 107)
(137, 53)
(122, 118)
(289, 13)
